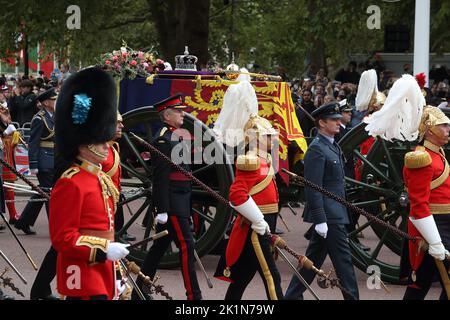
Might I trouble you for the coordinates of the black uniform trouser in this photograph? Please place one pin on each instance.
(256, 256)
(31, 211)
(119, 219)
(47, 272)
(428, 271)
(336, 245)
(179, 231)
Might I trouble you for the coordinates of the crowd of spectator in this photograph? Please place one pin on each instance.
(316, 88)
(19, 94)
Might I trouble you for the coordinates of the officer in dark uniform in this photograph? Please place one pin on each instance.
(40, 154)
(172, 199)
(346, 112)
(324, 166)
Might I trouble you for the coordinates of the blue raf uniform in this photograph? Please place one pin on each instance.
(324, 166)
(41, 157)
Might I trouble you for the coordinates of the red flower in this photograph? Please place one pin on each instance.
(115, 58)
(107, 62)
(133, 63)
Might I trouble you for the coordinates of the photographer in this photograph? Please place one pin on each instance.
(23, 107)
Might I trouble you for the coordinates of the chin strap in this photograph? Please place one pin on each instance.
(93, 149)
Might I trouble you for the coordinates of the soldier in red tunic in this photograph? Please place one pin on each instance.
(84, 198)
(426, 175)
(10, 139)
(426, 172)
(254, 196)
(113, 169)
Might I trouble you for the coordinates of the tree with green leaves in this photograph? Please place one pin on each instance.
(262, 34)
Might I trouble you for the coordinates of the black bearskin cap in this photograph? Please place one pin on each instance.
(98, 125)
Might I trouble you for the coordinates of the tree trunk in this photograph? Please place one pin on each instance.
(25, 57)
(316, 54)
(181, 23)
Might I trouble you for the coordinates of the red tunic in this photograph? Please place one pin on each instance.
(8, 153)
(364, 150)
(111, 166)
(266, 199)
(77, 205)
(423, 199)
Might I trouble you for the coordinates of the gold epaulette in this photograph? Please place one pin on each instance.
(418, 158)
(69, 173)
(248, 162)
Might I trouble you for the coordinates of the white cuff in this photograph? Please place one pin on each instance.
(250, 210)
(427, 228)
(10, 129)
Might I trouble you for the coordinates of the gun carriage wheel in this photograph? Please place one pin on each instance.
(211, 218)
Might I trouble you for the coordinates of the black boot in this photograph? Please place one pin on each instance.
(25, 228)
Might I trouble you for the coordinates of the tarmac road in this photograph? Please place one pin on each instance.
(37, 246)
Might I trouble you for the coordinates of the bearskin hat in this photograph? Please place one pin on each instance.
(85, 112)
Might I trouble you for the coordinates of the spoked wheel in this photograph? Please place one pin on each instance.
(209, 218)
(380, 192)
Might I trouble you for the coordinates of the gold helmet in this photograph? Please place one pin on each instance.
(257, 127)
(376, 102)
(431, 117)
(368, 98)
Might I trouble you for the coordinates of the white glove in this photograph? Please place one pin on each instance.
(429, 231)
(250, 210)
(10, 130)
(34, 171)
(116, 251)
(261, 227)
(438, 251)
(121, 287)
(161, 218)
(322, 229)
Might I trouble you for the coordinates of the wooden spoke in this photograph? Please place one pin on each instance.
(373, 168)
(376, 189)
(203, 215)
(391, 164)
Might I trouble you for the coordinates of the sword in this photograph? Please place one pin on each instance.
(133, 283)
(13, 267)
(444, 276)
(208, 280)
(28, 182)
(284, 222)
(441, 268)
(151, 238)
(299, 276)
(18, 241)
